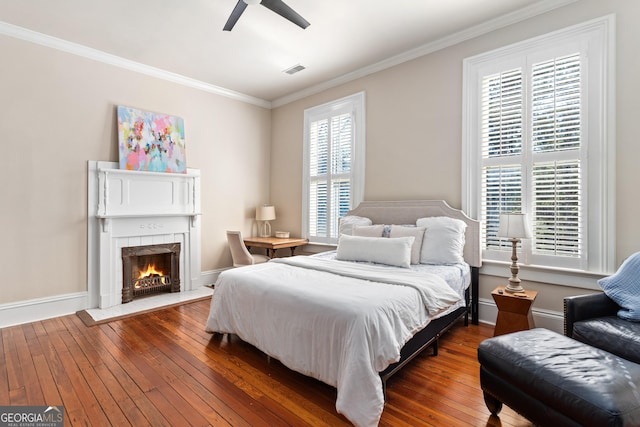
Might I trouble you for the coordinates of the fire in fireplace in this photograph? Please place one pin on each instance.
(150, 269)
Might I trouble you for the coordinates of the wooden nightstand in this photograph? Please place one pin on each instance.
(514, 310)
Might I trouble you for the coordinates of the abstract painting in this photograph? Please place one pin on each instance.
(151, 141)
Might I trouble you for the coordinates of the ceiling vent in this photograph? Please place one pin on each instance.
(294, 69)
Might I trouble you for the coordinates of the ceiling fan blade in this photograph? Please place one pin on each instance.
(279, 7)
(235, 15)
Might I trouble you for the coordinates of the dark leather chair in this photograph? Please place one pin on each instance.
(592, 319)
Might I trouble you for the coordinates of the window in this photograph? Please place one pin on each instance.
(538, 139)
(333, 166)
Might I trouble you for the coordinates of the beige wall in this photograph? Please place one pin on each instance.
(58, 112)
(414, 129)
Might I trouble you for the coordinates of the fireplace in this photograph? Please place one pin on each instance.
(156, 211)
(150, 269)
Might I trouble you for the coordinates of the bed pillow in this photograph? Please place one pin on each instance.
(368, 230)
(348, 222)
(381, 250)
(443, 240)
(623, 287)
(416, 232)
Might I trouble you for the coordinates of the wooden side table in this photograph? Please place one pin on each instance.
(272, 244)
(514, 310)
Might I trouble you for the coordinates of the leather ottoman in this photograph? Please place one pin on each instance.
(554, 380)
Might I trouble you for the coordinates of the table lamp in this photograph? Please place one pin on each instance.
(265, 214)
(514, 226)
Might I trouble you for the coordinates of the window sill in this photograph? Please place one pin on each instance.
(542, 274)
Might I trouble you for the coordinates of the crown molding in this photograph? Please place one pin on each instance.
(461, 36)
(21, 33)
(535, 9)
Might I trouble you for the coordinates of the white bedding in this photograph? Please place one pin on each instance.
(341, 329)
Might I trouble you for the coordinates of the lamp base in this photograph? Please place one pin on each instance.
(514, 282)
(514, 287)
(265, 229)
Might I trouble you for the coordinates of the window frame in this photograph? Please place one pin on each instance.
(596, 40)
(355, 105)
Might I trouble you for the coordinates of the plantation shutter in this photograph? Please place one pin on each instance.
(502, 145)
(556, 144)
(331, 146)
(531, 155)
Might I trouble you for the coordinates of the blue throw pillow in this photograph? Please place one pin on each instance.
(623, 287)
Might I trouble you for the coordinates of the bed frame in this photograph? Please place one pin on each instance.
(407, 212)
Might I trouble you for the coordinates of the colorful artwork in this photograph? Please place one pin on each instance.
(151, 141)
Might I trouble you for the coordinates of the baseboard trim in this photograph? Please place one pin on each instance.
(18, 313)
(209, 277)
(34, 310)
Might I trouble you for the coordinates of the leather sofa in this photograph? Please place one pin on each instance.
(592, 319)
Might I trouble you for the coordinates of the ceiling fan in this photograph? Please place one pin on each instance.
(277, 6)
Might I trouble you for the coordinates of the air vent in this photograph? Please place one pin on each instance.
(294, 69)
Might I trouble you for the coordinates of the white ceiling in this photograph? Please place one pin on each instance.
(186, 37)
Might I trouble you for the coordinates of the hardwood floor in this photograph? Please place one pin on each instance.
(162, 369)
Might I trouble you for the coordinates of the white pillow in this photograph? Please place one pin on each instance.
(376, 249)
(443, 241)
(368, 230)
(416, 232)
(346, 223)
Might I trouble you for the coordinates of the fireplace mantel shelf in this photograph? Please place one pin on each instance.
(114, 171)
(147, 215)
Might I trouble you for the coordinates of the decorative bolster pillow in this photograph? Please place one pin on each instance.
(382, 250)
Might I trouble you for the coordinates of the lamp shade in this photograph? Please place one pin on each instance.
(265, 213)
(514, 226)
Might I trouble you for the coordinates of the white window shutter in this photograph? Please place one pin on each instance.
(562, 139)
(332, 142)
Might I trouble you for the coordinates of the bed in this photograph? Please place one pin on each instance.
(353, 320)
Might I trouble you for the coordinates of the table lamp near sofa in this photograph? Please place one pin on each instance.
(264, 214)
(515, 227)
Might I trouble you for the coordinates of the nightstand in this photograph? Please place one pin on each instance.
(514, 310)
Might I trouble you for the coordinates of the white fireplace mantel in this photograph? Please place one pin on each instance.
(131, 208)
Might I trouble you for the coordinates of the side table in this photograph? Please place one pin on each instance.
(514, 310)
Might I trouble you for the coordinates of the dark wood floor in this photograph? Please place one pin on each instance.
(162, 369)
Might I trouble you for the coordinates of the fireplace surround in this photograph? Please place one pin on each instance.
(134, 209)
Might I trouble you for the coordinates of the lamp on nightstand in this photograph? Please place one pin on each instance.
(265, 214)
(514, 226)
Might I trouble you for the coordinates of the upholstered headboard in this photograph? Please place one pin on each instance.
(408, 211)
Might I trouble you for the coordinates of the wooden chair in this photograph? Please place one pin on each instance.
(239, 252)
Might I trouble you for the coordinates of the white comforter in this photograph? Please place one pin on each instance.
(342, 329)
